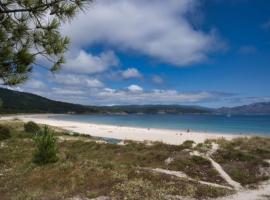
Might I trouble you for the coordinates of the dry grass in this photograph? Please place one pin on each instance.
(244, 159)
(90, 169)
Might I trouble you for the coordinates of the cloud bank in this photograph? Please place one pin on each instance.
(86, 63)
(91, 91)
(158, 29)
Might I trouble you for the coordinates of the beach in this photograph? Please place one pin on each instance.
(173, 137)
(206, 167)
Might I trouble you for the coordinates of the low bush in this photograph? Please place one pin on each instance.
(75, 134)
(188, 144)
(198, 160)
(46, 147)
(31, 127)
(4, 132)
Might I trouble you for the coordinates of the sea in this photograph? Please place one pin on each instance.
(235, 124)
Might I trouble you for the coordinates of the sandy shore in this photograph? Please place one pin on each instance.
(121, 132)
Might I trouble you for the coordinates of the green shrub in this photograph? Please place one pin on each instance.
(188, 144)
(31, 127)
(4, 132)
(46, 148)
(75, 134)
(198, 160)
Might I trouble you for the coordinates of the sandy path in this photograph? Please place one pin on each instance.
(180, 174)
(263, 193)
(123, 133)
(224, 174)
(237, 186)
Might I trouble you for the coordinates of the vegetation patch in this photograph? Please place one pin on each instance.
(90, 169)
(4, 132)
(173, 186)
(244, 158)
(31, 127)
(196, 167)
(137, 189)
(46, 148)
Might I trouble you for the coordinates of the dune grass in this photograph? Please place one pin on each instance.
(247, 156)
(89, 169)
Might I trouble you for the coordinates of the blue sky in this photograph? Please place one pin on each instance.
(200, 52)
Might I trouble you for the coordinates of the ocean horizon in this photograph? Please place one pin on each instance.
(235, 124)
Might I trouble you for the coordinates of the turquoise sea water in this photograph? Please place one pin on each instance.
(202, 123)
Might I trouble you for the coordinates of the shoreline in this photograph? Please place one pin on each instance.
(174, 137)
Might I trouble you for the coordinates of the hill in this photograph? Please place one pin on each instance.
(159, 109)
(255, 108)
(22, 102)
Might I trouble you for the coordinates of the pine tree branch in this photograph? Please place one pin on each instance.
(43, 7)
(34, 9)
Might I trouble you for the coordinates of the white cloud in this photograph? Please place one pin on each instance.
(67, 91)
(157, 79)
(83, 62)
(135, 88)
(111, 96)
(131, 73)
(34, 84)
(159, 29)
(15, 88)
(94, 83)
(76, 80)
(132, 94)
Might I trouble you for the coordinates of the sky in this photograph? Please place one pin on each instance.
(194, 52)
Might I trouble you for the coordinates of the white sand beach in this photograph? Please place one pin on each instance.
(121, 132)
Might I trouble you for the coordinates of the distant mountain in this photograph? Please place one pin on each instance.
(255, 108)
(21, 102)
(159, 109)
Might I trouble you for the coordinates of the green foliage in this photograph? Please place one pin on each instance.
(26, 33)
(46, 147)
(75, 134)
(188, 144)
(198, 160)
(31, 127)
(203, 147)
(4, 132)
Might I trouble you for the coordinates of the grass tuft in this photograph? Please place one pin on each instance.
(31, 127)
(4, 132)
